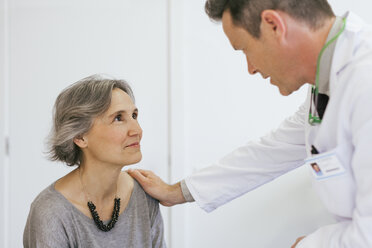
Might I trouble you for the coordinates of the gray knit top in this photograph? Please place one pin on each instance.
(54, 222)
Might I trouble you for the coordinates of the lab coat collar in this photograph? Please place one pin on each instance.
(354, 25)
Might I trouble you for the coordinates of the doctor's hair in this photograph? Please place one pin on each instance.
(247, 13)
(74, 112)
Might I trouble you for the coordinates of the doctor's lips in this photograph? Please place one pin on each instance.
(271, 79)
(134, 145)
(264, 76)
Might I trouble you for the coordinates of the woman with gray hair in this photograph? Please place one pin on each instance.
(95, 128)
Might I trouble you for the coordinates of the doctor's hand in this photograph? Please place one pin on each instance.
(297, 241)
(168, 195)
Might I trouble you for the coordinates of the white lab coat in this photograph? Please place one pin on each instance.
(346, 127)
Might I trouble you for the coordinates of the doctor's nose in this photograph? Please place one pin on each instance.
(251, 69)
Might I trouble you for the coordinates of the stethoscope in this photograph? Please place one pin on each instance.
(314, 117)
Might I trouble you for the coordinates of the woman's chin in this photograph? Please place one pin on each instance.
(132, 161)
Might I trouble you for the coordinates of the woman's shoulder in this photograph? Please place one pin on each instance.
(47, 194)
(138, 191)
(46, 220)
(143, 199)
(48, 202)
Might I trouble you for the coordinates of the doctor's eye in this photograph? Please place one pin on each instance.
(135, 115)
(118, 117)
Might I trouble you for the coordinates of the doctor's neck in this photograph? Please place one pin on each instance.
(310, 43)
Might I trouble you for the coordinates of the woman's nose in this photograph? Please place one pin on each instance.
(135, 129)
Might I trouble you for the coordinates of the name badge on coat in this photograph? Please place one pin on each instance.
(325, 165)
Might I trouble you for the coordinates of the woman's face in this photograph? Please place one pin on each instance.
(115, 135)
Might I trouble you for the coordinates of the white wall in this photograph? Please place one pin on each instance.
(55, 43)
(360, 7)
(224, 108)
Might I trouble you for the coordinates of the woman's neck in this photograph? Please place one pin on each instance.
(99, 181)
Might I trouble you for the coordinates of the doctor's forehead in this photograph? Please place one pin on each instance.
(237, 35)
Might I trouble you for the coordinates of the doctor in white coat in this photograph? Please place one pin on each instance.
(297, 43)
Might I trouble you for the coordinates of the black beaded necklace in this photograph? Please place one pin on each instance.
(95, 216)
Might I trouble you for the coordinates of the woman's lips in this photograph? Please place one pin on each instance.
(134, 145)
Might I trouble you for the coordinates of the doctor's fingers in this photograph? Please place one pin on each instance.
(144, 173)
(297, 241)
(153, 185)
(140, 175)
(146, 178)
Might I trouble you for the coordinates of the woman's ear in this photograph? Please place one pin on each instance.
(273, 24)
(81, 142)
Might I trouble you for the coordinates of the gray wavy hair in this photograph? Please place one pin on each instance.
(74, 111)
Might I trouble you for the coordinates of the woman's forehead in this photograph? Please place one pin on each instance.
(121, 100)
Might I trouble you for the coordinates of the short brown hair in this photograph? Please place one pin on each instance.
(247, 13)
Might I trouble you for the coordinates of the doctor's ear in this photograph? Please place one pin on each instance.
(273, 24)
(81, 142)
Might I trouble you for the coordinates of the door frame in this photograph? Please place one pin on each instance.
(4, 114)
(176, 115)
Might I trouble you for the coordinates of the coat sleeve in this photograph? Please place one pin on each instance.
(356, 232)
(251, 165)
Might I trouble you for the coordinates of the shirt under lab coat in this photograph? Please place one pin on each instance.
(346, 128)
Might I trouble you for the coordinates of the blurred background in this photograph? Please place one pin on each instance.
(196, 102)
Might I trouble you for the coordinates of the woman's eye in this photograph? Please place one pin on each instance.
(134, 115)
(118, 118)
